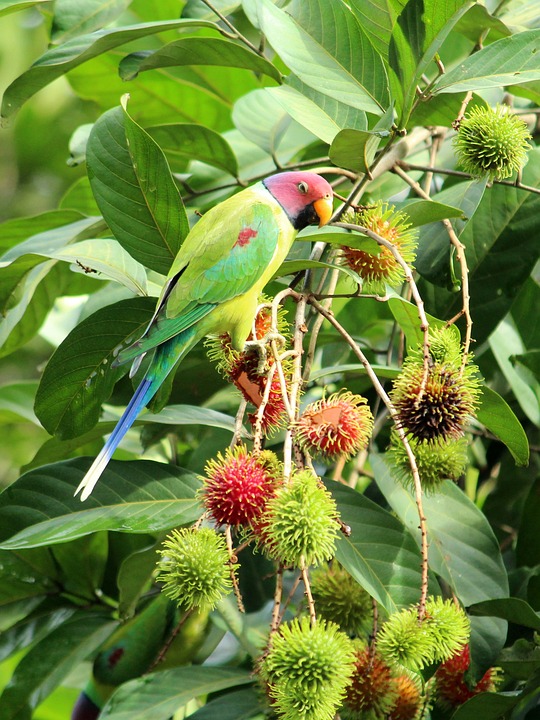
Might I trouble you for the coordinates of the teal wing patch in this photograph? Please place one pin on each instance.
(254, 240)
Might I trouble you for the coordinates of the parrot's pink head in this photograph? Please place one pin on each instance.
(305, 197)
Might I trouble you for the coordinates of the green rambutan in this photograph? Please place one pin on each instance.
(299, 525)
(381, 269)
(307, 669)
(492, 142)
(437, 460)
(405, 642)
(339, 425)
(195, 567)
(449, 627)
(339, 598)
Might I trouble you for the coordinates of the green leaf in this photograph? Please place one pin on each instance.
(140, 496)
(197, 51)
(521, 660)
(75, 17)
(353, 369)
(191, 415)
(290, 267)
(378, 17)
(417, 36)
(51, 660)
(10, 6)
(78, 378)
(337, 236)
(530, 359)
(352, 73)
(33, 627)
(133, 187)
(515, 610)
(134, 577)
(510, 61)
(320, 114)
(16, 402)
(355, 149)
(380, 554)
(504, 342)
(528, 540)
(498, 417)
(183, 142)
(406, 315)
(79, 197)
(423, 212)
(161, 694)
(239, 705)
(261, 119)
(22, 577)
(59, 60)
(462, 547)
(488, 706)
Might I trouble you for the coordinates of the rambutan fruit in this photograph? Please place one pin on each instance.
(307, 668)
(239, 484)
(372, 691)
(492, 142)
(339, 425)
(449, 627)
(195, 567)
(442, 407)
(339, 598)
(406, 643)
(451, 686)
(409, 699)
(381, 269)
(299, 525)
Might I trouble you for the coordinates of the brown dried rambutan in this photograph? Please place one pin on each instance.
(450, 394)
(381, 269)
(339, 425)
(372, 691)
(237, 486)
(452, 688)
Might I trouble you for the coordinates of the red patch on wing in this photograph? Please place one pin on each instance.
(244, 236)
(115, 656)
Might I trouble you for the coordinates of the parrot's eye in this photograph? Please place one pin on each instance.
(303, 187)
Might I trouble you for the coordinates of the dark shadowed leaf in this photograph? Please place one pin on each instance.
(137, 497)
(78, 377)
(515, 610)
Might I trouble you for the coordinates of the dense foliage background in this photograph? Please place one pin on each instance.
(365, 93)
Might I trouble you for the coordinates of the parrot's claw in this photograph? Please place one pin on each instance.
(261, 348)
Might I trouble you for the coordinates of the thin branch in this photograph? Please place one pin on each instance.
(163, 651)
(278, 593)
(309, 596)
(235, 35)
(403, 437)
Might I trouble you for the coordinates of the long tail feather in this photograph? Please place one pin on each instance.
(166, 357)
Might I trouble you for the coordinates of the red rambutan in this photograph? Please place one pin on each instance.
(238, 485)
(408, 699)
(372, 687)
(452, 687)
(339, 425)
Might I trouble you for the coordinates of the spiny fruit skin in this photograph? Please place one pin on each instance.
(452, 689)
(437, 460)
(450, 394)
(405, 642)
(381, 269)
(307, 669)
(339, 598)
(409, 699)
(339, 425)
(299, 526)
(194, 567)
(372, 692)
(239, 484)
(242, 369)
(449, 626)
(492, 142)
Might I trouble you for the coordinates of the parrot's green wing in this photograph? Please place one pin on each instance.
(223, 257)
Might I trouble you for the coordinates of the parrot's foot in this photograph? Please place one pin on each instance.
(261, 348)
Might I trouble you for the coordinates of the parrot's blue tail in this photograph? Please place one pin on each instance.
(166, 357)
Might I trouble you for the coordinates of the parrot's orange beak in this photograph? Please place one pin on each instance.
(324, 209)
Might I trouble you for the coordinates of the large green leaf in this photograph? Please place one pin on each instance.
(33, 627)
(261, 119)
(75, 17)
(197, 51)
(137, 497)
(23, 576)
(501, 249)
(417, 36)
(51, 660)
(515, 610)
(16, 402)
(238, 705)
(58, 61)
(309, 44)
(380, 554)
(498, 417)
(161, 694)
(78, 378)
(188, 141)
(510, 61)
(134, 189)
(9, 6)
(378, 17)
(462, 547)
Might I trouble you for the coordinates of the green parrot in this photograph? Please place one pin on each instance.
(215, 281)
(135, 646)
